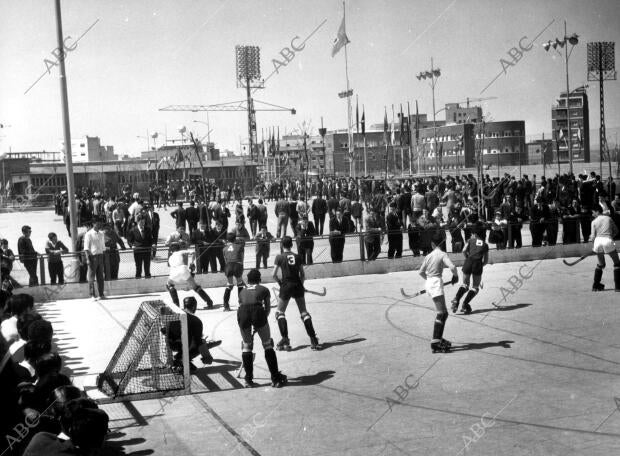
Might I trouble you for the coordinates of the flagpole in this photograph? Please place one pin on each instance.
(346, 70)
(365, 164)
(409, 135)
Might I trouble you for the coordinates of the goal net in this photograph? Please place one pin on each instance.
(144, 365)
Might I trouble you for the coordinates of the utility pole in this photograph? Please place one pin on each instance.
(64, 97)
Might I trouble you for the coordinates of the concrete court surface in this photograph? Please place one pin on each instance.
(539, 376)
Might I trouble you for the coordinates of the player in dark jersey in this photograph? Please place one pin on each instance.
(254, 308)
(233, 255)
(291, 286)
(476, 253)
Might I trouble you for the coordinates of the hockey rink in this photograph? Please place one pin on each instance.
(540, 375)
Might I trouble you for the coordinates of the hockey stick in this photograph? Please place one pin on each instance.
(421, 292)
(573, 263)
(318, 293)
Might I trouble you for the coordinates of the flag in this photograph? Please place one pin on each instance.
(148, 165)
(402, 127)
(357, 116)
(392, 139)
(363, 121)
(341, 38)
(8, 185)
(417, 124)
(561, 136)
(278, 144)
(408, 125)
(579, 136)
(385, 126)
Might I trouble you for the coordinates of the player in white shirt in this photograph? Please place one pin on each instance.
(603, 232)
(182, 268)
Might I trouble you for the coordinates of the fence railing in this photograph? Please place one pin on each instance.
(364, 246)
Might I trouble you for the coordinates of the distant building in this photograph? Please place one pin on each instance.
(89, 149)
(579, 125)
(455, 114)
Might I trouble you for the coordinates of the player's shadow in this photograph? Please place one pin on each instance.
(114, 447)
(501, 308)
(335, 343)
(482, 345)
(307, 380)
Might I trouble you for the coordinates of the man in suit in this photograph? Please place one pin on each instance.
(319, 209)
(338, 227)
(140, 237)
(192, 215)
(282, 212)
(179, 215)
(305, 240)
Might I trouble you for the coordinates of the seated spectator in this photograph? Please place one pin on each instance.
(18, 305)
(84, 427)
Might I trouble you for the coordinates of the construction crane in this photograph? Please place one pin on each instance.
(241, 105)
(475, 100)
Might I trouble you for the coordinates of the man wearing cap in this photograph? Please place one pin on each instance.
(28, 255)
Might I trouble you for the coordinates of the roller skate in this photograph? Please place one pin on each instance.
(443, 346)
(315, 344)
(284, 344)
(279, 381)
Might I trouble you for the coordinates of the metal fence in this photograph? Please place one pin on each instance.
(364, 246)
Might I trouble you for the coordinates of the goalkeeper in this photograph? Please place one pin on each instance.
(195, 342)
(182, 269)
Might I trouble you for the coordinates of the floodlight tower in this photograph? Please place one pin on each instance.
(248, 77)
(602, 67)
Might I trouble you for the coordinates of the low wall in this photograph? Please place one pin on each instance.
(46, 293)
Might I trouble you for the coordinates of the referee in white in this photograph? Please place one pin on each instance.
(94, 247)
(431, 271)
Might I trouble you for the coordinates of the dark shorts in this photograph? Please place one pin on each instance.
(233, 270)
(251, 315)
(290, 290)
(473, 267)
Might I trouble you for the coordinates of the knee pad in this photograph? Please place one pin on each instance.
(268, 344)
(280, 315)
(305, 316)
(247, 348)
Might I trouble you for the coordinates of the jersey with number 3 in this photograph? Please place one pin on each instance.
(476, 248)
(290, 263)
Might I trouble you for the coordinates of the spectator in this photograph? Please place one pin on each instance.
(293, 215)
(253, 215)
(18, 306)
(54, 249)
(179, 216)
(28, 255)
(262, 213)
(356, 213)
(118, 217)
(192, 216)
(94, 247)
(373, 238)
(263, 244)
(305, 240)
(338, 227)
(394, 229)
(282, 213)
(241, 232)
(319, 209)
(199, 238)
(140, 238)
(112, 241)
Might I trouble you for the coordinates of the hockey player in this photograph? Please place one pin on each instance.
(182, 272)
(291, 286)
(603, 232)
(431, 270)
(253, 312)
(233, 255)
(476, 253)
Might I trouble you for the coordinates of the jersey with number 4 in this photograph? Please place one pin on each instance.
(233, 252)
(476, 248)
(290, 263)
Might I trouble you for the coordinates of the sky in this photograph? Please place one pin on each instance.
(140, 56)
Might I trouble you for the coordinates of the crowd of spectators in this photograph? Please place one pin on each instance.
(43, 414)
(410, 209)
